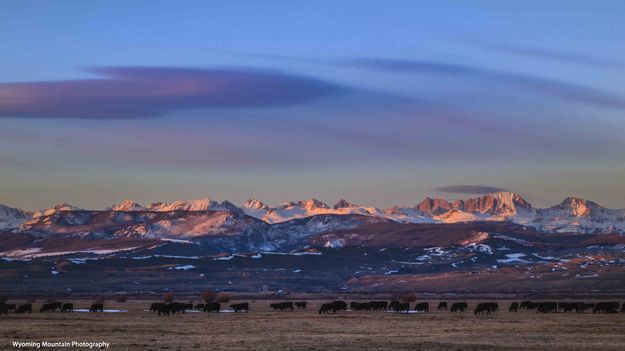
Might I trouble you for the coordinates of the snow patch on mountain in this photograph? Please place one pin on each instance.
(128, 206)
(60, 207)
(203, 204)
(12, 217)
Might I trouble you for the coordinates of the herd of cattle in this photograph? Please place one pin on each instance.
(165, 309)
(46, 307)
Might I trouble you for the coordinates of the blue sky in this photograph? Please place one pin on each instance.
(381, 103)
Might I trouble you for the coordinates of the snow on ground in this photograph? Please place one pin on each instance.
(20, 253)
(292, 253)
(82, 310)
(515, 257)
(224, 258)
(165, 256)
(549, 258)
(36, 252)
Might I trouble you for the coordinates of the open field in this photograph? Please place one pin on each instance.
(262, 329)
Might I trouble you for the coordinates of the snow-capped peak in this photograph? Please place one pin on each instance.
(313, 204)
(62, 206)
(577, 207)
(128, 205)
(12, 217)
(203, 204)
(255, 204)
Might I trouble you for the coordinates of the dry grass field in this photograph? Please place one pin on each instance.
(262, 329)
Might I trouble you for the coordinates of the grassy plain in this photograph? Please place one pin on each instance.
(263, 329)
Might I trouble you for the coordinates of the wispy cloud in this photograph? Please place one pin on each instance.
(470, 189)
(145, 92)
(555, 55)
(569, 92)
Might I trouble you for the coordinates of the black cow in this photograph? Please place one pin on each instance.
(422, 307)
(301, 305)
(187, 306)
(458, 307)
(67, 307)
(199, 307)
(442, 306)
(360, 306)
(161, 308)
(571, 307)
(240, 307)
(486, 307)
(333, 307)
(340, 305)
(327, 308)
(547, 307)
(402, 307)
(528, 305)
(175, 307)
(623, 308)
(50, 307)
(10, 306)
(606, 307)
(494, 306)
(96, 307)
(27, 307)
(3, 309)
(378, 305)
(514, 307)
(212, 307)
(282, 306)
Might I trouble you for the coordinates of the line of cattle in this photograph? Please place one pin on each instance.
(46, 307)
(399, 307)
(166, 309)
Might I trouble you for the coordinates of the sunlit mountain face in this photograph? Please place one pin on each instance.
(496, 241)
(205, 216)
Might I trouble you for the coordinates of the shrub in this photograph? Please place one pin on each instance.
(168, 297)
(223, 297)
(209, 296)
(407, 297)
(122, 298)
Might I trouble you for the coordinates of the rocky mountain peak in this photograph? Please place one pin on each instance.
(203, 204)
(577, 207)
(312, 204)
(342, 203)
(128, 205)
(429, 205)
(255, 204)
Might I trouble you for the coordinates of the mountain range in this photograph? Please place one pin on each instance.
(497, 242)
(206, 216)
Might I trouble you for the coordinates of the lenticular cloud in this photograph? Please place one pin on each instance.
(144, 92)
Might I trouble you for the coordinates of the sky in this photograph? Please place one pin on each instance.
(381, 103)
